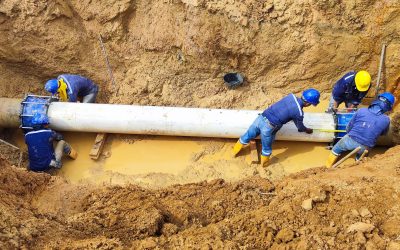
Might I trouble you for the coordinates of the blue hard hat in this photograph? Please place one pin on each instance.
(40, 119)
(311, 96)
(389, 97)
(51, 86)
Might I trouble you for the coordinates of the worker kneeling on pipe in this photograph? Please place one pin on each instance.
(42, 155)
(70, 88)
(267, 124)
(364, 128)
(350, 89)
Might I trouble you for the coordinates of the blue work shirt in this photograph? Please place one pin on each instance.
(345, 90)
(367, 125)
(289, 108)
(78, 86)
(40, 148)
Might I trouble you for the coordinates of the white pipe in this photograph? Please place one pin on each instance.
(153, 120)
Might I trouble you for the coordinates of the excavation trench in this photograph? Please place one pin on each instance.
(158, 161)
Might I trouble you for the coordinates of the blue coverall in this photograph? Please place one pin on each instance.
(363, 130)
(78, 86)
(345, 91)
(40, 149)
(289, 108)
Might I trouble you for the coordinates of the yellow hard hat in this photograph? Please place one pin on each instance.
(363, 80)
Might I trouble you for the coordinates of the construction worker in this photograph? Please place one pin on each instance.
(364, 128)
(71, 87)
(350, 89)
(290, 108)
(42, 155)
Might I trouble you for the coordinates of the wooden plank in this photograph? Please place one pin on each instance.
(98, 145)
(253, 152)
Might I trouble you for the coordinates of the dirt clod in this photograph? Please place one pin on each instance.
(365, 213)
(307, 204)
(285, 235)
(360, 227)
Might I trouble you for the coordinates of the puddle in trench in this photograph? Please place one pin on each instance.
(154, 155)
(176, 156)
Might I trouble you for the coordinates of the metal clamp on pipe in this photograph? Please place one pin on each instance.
(31, 105)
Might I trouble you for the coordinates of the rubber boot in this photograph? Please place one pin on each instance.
(236, 149)
(264, 160)
(331, 160)
(73, 154)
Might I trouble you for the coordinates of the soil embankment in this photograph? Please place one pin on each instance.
(354, 207)
(175, 53)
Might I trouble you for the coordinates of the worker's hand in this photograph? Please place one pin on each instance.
(309, 130)
(352, 106)
(331, 110)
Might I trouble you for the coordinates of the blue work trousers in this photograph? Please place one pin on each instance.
(347, 144)
(261, 126)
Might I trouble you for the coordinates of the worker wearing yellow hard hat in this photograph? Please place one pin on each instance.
(350, 89)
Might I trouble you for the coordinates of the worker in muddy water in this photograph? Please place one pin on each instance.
(364, 128)
(71, 88)
(267, 124)
(41, 153)
(350, 89)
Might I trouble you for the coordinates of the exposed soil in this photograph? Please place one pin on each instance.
(356, 207)
(174, 53)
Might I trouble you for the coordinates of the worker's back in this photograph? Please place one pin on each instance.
(78, 86)
(366, 126)
(40, 149)
(345, 89)
(285, 110)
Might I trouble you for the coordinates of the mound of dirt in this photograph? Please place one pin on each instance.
(18, 223)
(353, 207)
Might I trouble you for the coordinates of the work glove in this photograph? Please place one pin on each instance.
(309, 130)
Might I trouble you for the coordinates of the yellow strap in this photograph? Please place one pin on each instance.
(62, 90)
(330, 130)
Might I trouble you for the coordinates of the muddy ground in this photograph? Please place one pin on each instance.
(175, 53)
(356, 207)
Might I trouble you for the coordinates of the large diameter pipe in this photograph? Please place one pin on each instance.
(9, 112)
(153, 120)
(129, 119)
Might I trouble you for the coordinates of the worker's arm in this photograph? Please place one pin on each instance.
(353, 105)
(300, 125)
(358, 99)
(338, 92)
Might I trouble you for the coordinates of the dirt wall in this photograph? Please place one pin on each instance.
(175, 52)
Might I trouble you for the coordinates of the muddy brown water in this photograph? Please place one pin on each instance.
(177, 156)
